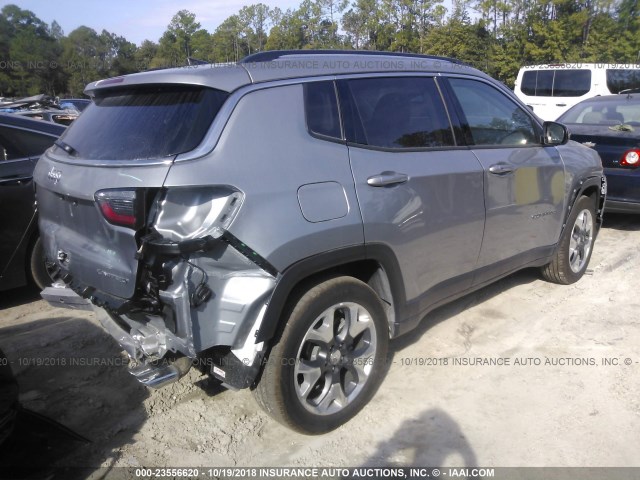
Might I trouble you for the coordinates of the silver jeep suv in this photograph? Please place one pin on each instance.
(278, 220)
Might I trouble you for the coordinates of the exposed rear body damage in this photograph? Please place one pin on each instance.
(278, 225)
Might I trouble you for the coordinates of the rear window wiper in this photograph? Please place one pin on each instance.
(66, 147)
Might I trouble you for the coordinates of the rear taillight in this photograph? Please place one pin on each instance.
(120, 207)
(630, 158)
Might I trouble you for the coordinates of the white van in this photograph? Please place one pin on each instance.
(552, 89)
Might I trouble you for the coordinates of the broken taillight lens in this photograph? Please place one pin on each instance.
(120, 207)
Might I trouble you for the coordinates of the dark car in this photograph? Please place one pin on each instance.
(22, 141)
(611, 125)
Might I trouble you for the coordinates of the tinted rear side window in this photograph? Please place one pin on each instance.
(571, 83)
(537, 83)
(321, 107)
(556, 83)
(528, 85)
(142, 123)
(395, 113)
(622, 79)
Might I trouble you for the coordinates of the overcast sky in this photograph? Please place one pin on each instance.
(136, 20)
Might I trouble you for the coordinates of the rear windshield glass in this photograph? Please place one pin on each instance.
(622, 79)
(142, 123)
(605, 112)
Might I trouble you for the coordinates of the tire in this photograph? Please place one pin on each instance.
(324, 369)
(576, 245)
(37, 267)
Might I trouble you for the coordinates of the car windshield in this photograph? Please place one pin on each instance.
(605, 112)
(145, 122)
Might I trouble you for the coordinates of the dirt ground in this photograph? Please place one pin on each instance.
(556, 402)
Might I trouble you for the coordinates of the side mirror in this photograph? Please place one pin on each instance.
(555, 133)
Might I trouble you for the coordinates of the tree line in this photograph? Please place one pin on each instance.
(496, 36)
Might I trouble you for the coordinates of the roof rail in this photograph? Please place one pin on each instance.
(269, 56)
(629, 91)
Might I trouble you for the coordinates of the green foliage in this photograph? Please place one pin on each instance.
(227, 45)
(498, 36)
(28, 53)
(37, 58)
(145, 54)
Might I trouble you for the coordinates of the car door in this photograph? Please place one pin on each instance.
(524, 180)
(419, 194)
(19, 151)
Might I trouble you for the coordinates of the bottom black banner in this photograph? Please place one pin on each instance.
(326, 473)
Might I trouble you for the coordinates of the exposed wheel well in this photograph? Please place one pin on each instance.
(26, 260)
(33, 238)
(367, 271)
(592, 191)
(370, 272)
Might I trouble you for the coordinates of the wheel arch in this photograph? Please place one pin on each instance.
(31, 239)
(375, 265)
(594, 187)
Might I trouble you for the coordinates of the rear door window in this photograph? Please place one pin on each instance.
(144, 123)
(397, 112)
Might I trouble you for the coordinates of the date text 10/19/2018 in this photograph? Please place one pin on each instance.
(314, 472)
(509, 361)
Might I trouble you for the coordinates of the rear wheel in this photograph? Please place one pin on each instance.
(329, 360)
(37, 266)
(576, 245)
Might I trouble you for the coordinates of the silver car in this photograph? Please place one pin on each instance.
(277, 221)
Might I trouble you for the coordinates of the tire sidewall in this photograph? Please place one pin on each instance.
(300, 321)
(583, 203)
(37, 267)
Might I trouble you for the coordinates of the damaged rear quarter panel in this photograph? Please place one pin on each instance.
(264, 155)
(266, 152)
(240, 289)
